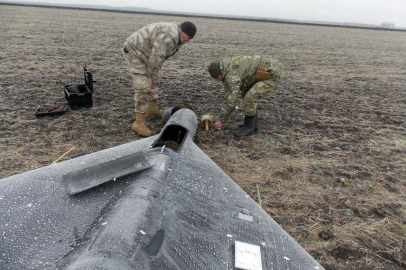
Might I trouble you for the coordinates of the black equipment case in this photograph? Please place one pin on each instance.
(80, 95)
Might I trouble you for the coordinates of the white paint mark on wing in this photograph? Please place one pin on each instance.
(247, 256)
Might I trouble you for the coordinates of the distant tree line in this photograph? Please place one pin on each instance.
(384, 26)
(388, 25)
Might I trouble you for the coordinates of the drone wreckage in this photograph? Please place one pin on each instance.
(168, 206)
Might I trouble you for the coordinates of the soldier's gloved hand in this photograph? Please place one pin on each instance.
(150, 83)
(218, 125)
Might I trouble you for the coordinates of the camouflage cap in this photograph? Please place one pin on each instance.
(214, 69)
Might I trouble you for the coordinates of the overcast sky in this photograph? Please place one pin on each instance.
(354, 11)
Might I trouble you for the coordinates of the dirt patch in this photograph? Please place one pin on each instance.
(329, 158)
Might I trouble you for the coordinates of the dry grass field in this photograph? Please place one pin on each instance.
(330, 157)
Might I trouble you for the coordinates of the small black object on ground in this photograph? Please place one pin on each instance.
(53, 110)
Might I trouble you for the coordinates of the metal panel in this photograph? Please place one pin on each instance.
(98, 174)
(245, 217)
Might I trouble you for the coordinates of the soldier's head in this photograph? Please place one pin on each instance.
(215, 71)
(188, 31)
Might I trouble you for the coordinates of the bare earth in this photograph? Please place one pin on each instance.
(330, 155)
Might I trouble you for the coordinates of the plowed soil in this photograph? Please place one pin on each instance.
(329, 159)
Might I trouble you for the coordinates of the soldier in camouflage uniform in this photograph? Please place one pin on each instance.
(251, 77)
(145, 51)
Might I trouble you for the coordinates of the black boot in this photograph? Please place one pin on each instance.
(247, 128)
(256, 128)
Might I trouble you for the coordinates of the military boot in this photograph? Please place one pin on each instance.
(152, 110)
(247, 128)
(256, 128)
(139, 125)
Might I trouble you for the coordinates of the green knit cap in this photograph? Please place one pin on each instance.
(214, 69)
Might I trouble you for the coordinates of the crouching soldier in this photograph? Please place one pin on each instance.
(251, 77)
(145, 51)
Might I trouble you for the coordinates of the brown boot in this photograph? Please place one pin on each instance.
(153, 111)
(139, 125)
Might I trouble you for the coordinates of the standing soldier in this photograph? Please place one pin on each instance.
(252, 77)
(145, 51)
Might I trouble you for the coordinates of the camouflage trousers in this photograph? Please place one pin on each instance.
(251, 97)
(143, 93)
(253, 94)
(138, 70)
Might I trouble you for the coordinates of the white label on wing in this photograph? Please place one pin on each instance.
(247, 256)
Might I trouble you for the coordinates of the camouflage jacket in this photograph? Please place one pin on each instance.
(239, 77)
(155, 43)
